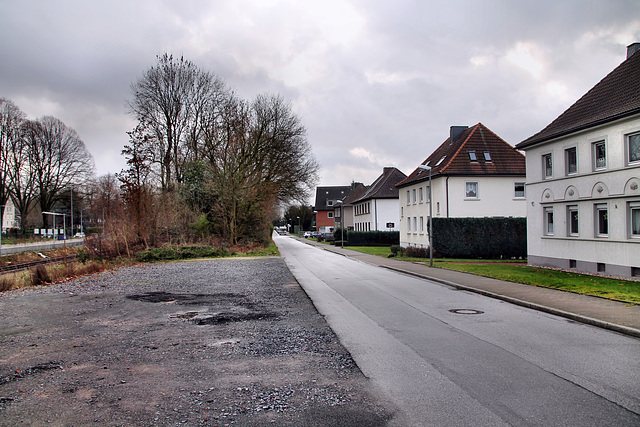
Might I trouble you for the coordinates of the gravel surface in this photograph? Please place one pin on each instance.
(213, 342)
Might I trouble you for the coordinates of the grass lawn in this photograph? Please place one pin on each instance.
(623, 290)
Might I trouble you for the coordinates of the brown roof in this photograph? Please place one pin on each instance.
(358, 190)
(384, 187)
(455, 158)
(614, 97)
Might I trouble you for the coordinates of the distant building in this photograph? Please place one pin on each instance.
(377, 208)
(583, 180)
(474, 173)
(11, 217)
(344, 216)
(326, 202)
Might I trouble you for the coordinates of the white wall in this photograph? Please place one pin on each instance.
(496, 198)
(381, 212)
(612, 187)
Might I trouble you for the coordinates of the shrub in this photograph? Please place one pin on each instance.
(169, 253)
(415, 252)
(489, 238)
(40, 275)
(396, 250)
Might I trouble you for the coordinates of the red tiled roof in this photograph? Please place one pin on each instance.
(614, 97)
(454, 158)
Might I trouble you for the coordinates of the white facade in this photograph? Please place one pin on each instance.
(9, 218)
(458, 197)
(585, 213)
(376, 214)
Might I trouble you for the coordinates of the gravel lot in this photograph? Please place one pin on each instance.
(213, 342)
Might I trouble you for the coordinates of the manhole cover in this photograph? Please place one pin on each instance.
(465, 311)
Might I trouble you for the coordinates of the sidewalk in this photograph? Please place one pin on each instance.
(613, 315)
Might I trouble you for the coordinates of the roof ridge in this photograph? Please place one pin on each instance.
(455, 155)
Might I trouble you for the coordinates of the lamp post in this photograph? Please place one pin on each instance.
(299, 225)
(2, 219)
(428, 168)
(341, 224)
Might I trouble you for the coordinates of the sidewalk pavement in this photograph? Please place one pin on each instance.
(616, 316)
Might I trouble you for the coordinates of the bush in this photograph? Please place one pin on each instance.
(373, 238)
(489, 238)
(415, 252)
(396, 250)
(169, 253)
(40, 275)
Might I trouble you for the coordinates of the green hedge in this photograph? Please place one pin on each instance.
(371, 238)
(489, 238)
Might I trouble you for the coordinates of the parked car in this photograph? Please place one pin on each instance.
(316, 234)
(79, 235)
(307, 234)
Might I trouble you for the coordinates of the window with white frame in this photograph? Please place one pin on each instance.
(571, 161)
(409, 225)
(330, 215)
(472, 156)
(420, 195)
(599, 153)
(329, 202)
(572, 220)
(633, 148)
(471, 190)
(408, 197)
(634, 219)
(487, 157)
(428, 191)
(518, 190)
(421, 225)
(602, 220)
(548, 221)
(547, 166)
(415, 224)
(401, 211)
(414, 195)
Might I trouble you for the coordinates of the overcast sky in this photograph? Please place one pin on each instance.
(376, 83)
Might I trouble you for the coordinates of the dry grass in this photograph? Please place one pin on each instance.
(51, 274)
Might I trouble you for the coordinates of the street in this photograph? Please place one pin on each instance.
(450, 357)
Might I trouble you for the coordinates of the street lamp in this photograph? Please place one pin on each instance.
(2, 219)
(299, 225)
(428, 168)
(341, 224)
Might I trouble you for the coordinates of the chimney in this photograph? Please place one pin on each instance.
(632, 48)
(455, 132)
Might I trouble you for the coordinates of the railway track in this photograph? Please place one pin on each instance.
(13, 268)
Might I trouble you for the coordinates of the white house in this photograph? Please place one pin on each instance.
(10, 217)
(583, 180)
(377, 208)
(474, 173)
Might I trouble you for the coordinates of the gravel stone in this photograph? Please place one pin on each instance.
(207, 342)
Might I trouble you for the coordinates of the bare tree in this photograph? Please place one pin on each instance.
(58, 158)
(11, 119)
(171, 101)
(21, 179)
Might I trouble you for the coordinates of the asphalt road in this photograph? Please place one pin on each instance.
(450, 357)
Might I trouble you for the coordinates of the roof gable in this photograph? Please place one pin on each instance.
(466, 156)
(614, 97)
(330, 194)
(384, 187)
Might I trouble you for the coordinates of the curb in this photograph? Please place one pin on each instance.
(557, 312)
(572, 316)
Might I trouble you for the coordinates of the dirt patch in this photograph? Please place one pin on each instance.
(215, 342)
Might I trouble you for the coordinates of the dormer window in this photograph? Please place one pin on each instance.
(487, 156)
(472, 156)
(329, 202)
